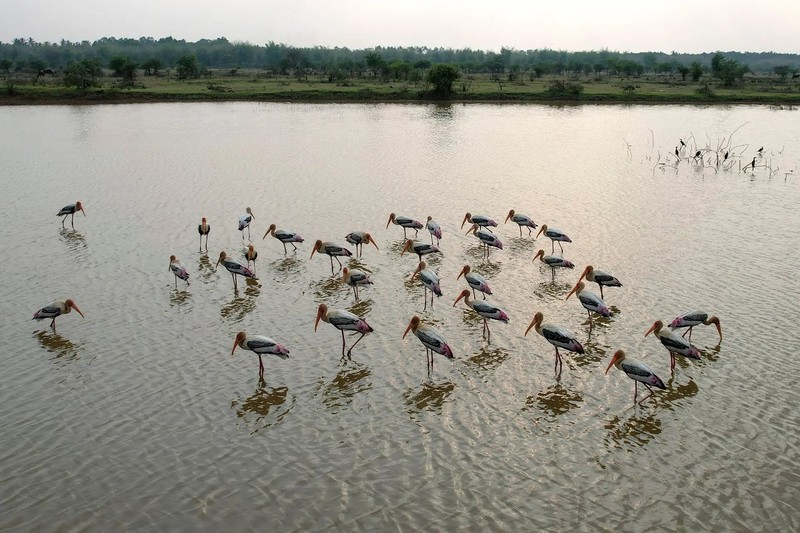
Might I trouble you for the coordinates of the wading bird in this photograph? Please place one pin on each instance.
(203, 229)
(638, 372)
(692, 319)
(430, 282)
(430, 338)
(70, 210)
(485, 310)
(359, 239)
(331, 250)
(283, 236)
(245, 220)
(475, 281)
(601, 278)
(590, 301)
(522, 221)
(434, 228)
(557, 336)
(479, 220)
(179, 270)
(555, 235)
(259, 344)
(487, 239)
(405, 223)
(343, 320)
(251, 255)
(420, 248)
(354, 278)
(553, 261)
(55, 309)
(235, 267)
(673, 342)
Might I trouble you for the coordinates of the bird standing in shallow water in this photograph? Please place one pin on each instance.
(601, 278)
(234, 267)
(487, 239)
(475, 281)
(590, 301)
(522, 220)
(259, 344)
(430, 282)
(420, 248)
(692, 319)
(70, 210)
(557, 336)
(283, 236)
(203, 229)
(343, 321)
(332, 250)
(245, 220)
(359, 238)
(434, 229)
(405, 222)
(638, 372)
(251, 255)
(673, 342)
(430, 338)
(555, 235)
(55, 309)
(355, 278)
(178, 270)
(485, 310)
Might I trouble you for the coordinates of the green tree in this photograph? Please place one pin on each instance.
(187, 67)
(152, 66)
(83, 74)
(696, 70)
(5, 65)
(727, 70)
(782, 71)
(684, 71)
(442, 77)
(123, 67)
(375, 63)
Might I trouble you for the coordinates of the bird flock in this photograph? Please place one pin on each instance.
(432, 339)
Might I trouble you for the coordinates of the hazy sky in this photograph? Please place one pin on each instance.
(623, 25)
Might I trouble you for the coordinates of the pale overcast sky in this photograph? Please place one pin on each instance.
(623, 25)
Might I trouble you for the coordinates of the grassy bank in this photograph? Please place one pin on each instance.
(258, 86)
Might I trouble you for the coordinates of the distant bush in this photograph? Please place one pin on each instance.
(705, 90)
(564, 89)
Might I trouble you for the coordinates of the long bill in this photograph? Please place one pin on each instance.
(391, 217)
(652, 329)
(466, 218)
(534, 322)
(574, 290)
(619, 354)
(75, 307)
(408, 244)
(473, 229)
(541, 230)
(410, 325)
(714, 320)
(539, 254)
(463, 272)
(585, 272)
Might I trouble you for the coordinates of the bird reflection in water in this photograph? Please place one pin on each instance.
(287, 265)
(674, 392)
(179, 298)
(712, 354)
(361, 308)
(327, 288)
(349, 381)
(633, 432)
(74, 240)
(205, 269)
(264, 408)
(431, 397)
(554, 401)
(239, 307)
(555, 289)
(593, 352)
(55, 343)
(488, 358)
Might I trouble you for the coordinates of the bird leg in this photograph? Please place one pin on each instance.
(201, 243)
(552, 246)
(646, 397)
(260, 367)
(530, 231)
(672, 362)
(354, 345)
(342, 343)
(601, 290)
(424, 298)
(416, 233)
(337, 260)
(559, 362)
(248, 234)
(404, 232)
(473, 294)
(62, 222)
(284, 249)
(53, 323)
(293, 246)
(635, 391)
(561, 247)
(72, 220)
(520, 231)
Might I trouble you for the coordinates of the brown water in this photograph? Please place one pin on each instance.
(137, 417)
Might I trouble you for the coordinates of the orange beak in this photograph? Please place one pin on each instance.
(460, 296)
(613, 361)
(540, 232)
(75, 307)
(715, 321)
(466, 217)
(406, 247)
(583, 274)
(319, 316)
(508, 216)
(651, 330)
(533, 323)
(463, 271)
(235, 344)
(373, 242)
(539, 254)
(575, 288)
(390, 220)
(408, 329)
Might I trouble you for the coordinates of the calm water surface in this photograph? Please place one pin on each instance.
(137, 417)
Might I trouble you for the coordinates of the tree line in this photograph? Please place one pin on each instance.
(124, 56)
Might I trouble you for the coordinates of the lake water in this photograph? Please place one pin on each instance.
(137, 417)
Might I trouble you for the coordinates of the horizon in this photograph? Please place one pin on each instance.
(621, 26)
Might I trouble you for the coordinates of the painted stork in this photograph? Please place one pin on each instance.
(695, 318)
(638, 372)
(405, 223)
(557, 336)
(522, 220)
(475, 281)
(283, 236)
(178, 270)
(555, 235)
(485, 310)
(245, 220)
(251, 255)
(553, 261)
(55, 309)
(70, 210)
(673, 342)
(259, 344)
(479, 220)
(203, 229)
(430, 338)
(354, 278)
(434, 228)
(343, 321)
(234, 267)
(590, 301)
(487, 239)
(420, 248)
(601, 278)
(430, 282)
(332, 250)
(359, 239)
